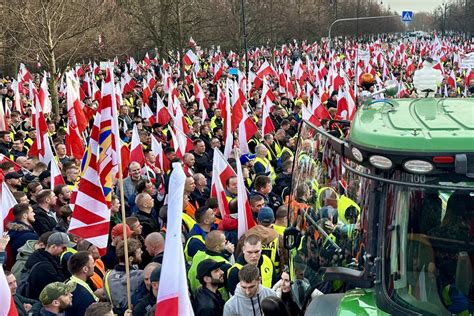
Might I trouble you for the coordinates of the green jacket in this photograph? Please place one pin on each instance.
(20, 300)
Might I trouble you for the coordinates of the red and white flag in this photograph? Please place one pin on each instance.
(173, 298)
(265, 70)
(76, 121)
(190, 58)
(128, 83)
(136, 148)
(157, 149)
(147, 113)
(41, 146)
(247, 130)
(3, 117)
(308, 116)
(244, 212)
(56, 176)
(163, 115)
(181, 142)
(7, 307)
(7, 202)
(221, 171)
(43, 95)
(267, 123)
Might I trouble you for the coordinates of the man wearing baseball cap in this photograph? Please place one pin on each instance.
(44, 266)
(13, 181)
(56, 297)
(208, 300)
(110, 258)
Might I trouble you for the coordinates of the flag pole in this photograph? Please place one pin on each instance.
(125, 241)
(122, 194)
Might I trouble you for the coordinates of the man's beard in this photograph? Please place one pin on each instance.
(63, 306)
(217, 282)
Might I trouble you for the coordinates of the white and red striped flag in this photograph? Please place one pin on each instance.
(221, 171)
(163, 115)
(43, 95)
(244, 212)
(190, 58)
(173, 298)
(157, 149)
(136, 148)
(7, 307)
(76, 121)
(41, 146)
(7, 203)
(247, 130)
(56, 176)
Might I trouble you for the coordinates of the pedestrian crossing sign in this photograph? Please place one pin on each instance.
(407, 16)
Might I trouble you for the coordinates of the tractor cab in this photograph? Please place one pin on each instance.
(382, 220)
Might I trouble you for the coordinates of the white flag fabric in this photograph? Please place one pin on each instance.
(173, 298)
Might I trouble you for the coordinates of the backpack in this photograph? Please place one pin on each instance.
(24, 284)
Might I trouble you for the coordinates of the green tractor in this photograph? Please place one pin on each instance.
(382, 220)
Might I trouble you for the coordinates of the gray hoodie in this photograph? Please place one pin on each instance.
(241, 305)
(24, 253)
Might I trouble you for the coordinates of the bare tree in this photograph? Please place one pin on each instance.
(53, 30)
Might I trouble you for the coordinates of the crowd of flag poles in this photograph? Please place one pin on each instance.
(105, 157)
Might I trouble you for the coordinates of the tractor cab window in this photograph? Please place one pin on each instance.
(328, 207)
(430, 248)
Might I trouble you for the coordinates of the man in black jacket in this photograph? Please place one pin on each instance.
(45, 218)
(149, 300)
(44, 264)
(21, 229)
(208, 301)
(145, 204)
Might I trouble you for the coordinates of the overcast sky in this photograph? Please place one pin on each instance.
(413, 5)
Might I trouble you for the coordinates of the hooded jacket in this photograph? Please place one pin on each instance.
(48, 271)
(24, 253)
(240, 304)
(20, 233)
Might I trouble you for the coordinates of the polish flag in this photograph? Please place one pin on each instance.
(318, 109)
(136, 149)
(128, 83)
(7, 308)
(247, 130)
(43, 95)
(41, 146)
(7, 201)
(190, 58)
(3, 117)
(147, 113)
(181, 142)
(163, 116)
(267, 124)
(77, 122)
(308, 116)
(218, 71)
(157, 149)
(18, 106)
(173, 298)
(56, 176)
(146, 92)
(221, 171)
(180, 121)
(237, 101)
(201, 98)
(244, 212)
(451, 80)
(266, 70)
(147, 60)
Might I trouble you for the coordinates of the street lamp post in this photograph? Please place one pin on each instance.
(244, 31)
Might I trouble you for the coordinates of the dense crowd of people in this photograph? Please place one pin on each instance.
(51, 272)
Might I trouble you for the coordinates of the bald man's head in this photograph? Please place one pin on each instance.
(154, 244)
